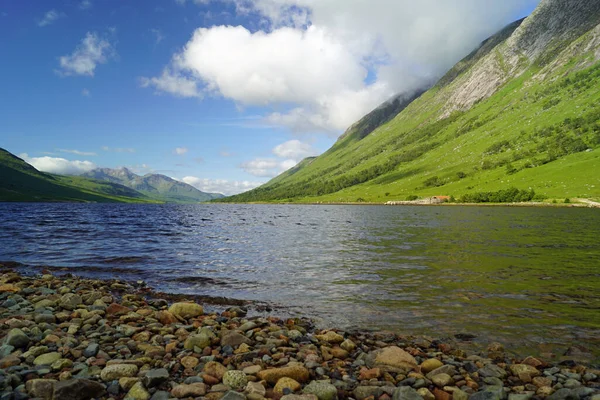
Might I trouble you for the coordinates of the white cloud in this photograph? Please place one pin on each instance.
(294, 149)
(222, 186)
(180, 151)
(118, 149)
(50, 17)
(335, 60)
(92, 50)
(56, 165)
(85, 92)
(85, 4)
(77, 152)
(287, 154)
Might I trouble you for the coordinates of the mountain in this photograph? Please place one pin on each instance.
(19, 181)
(155, 186)
(522, 110)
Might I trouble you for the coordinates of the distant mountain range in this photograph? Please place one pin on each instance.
(19, 181)
(522, 110)
(155, 186)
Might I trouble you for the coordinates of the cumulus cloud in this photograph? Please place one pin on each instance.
(335, 60)
(180, 151)
(50, 17)
(85, 4)
(222, 186)
(57, 165)
(92, 50)
(287, 154)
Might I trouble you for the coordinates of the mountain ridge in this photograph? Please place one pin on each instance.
(524, 103)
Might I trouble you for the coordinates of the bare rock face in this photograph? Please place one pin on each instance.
(540, 39)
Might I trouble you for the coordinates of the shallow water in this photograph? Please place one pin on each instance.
(527, 277)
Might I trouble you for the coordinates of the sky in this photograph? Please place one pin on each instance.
(220, 94)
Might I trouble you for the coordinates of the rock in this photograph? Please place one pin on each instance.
(186, 310)
(331, 337)
(518, 369)
(117, 309)
(286, 383)
(235, 379)
(534, 362)
(17, 338)
(42, 388)
(10, 361)
(116, 371)
(233, 395)
(200, 340)
(161, 395)
(7, 287)
(127, 382)
(296, 372)
(252, 370)
(348, 345)
(299, 397)
(189, 362)
(323, 390)
(406, 393)
(61, 363)
(215, 369)
(444, 369)
(70, 301)
(392, 356)
(541, 381)
(192, 390)
(441, 395)
(459, 395)
(519, 396)
(368, 374)
(166, 318)
(255, 388)
(138, 392)
(78, 389)
(430, 364)
(571, 383)
(233, 339)
(489, 393)
(91, 350)
(364, 392)
(45, 318)
(563, 394)
(426, 394)
(441, 380)
(155, 377)
(492, 370)
(47, 359)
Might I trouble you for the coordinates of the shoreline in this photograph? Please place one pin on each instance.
(66, 337)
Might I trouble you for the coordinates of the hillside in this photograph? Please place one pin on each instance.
(19, 181)
(155, 186)
(522, 110)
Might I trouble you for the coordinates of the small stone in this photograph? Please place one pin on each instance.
(541, 381)
(47, 359)
(235, 379)
(116, 371)
(61, 363)
(492, 370)
(441, 380)
(406, 393)
(233, 395)
(392, 356)
(286, 383)
(430, 364)
(296, 372)
(160, 395)
(255, 388)
(70, 301)
(166, 318)
(367, 392)
(186, 310)
(78, 389)
(192, 390)
(426, 394)
(323, 390)
(45, 318)
(127, 382)
(233, 339)
(200, 340)
(517, 369)
(189, 362)
(252, 370)
(299, 397)
(155, 377)
(215, 369)
(368, 374)
(138, 392)
(41, 388)
(91, 350)
(348, 345)
(17, 338)
(330, 337)
(117, 309)
(563, 394)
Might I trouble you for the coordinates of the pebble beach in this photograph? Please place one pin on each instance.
(70, 338)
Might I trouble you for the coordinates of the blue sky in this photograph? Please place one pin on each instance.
(222, 94)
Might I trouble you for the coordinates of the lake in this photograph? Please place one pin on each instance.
(526, 277)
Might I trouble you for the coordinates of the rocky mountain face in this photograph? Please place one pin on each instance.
(156, 186)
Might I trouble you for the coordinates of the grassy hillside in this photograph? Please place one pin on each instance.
(20, 181)
(535, 124)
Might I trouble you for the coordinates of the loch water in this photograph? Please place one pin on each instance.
(526, 277)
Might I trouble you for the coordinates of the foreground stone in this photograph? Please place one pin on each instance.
(79, 339)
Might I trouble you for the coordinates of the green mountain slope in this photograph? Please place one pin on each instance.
(19, 181)
(523, 110)
(155, 186)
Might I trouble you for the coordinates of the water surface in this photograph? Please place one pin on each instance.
(527, 277)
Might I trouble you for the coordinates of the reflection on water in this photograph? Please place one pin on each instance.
(529, 276)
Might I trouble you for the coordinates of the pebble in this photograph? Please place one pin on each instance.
(80, 339)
